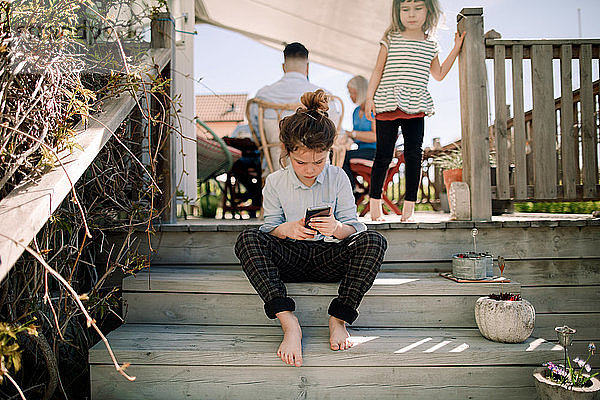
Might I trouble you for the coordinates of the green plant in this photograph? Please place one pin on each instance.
(575, 374)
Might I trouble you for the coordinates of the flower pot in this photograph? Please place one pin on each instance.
(472, 265)
(548, 390)
(452, 175)
(209, 204)
(504, 321)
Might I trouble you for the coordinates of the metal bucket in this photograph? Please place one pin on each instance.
(470, 265)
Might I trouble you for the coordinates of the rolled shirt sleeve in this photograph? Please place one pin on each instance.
(273, 210)
(345, 211)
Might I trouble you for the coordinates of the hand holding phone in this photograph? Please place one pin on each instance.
(321, 211)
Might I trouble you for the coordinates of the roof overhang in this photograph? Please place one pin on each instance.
(342, 34)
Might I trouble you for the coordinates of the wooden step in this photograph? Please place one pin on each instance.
(225, 297)
(407, 242)
(222, 362)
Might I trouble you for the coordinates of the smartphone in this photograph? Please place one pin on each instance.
(321, 211)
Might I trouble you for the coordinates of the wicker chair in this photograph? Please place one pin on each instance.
(266, 135)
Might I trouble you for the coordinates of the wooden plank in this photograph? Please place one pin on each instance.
(25, 210)
(588, 125)
(563, 299)
(502, 156)
(207, 382)
(587, 325)
(223, 345)
(520, 173)
(311, 310)
(477, 172)
(182, 280)
(544, 123)
(404, 245)
(554, 272)
(568, 141)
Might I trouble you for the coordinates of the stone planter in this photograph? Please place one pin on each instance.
(548, 390)
(504, 321)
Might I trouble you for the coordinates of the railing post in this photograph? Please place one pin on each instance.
(473, 107)
(162, 36)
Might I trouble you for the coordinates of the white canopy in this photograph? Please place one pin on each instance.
(342, 34)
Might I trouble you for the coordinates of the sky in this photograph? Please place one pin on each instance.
(225, 60)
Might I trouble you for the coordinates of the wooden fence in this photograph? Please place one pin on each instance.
(559, 137)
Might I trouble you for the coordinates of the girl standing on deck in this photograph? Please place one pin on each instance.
(398, 95)
(332, 248)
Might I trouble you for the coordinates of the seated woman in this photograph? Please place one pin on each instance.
(363, 132)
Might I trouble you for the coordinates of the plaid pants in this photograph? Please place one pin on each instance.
(269, 262)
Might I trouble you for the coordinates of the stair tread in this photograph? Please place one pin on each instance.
(228, 281)
(146, 344)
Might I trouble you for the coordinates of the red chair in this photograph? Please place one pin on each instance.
(362, 168)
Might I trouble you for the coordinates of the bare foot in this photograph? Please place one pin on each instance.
(376, 210)
(408, 210)
(338, 335)
(290, 349)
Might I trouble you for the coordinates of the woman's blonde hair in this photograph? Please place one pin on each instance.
(360, 84)
(434, 12)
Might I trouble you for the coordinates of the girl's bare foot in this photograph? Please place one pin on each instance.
(290, 349)
(376, 210)
(408, 210)
(338, 335)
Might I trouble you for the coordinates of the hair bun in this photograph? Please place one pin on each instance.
(317, 101)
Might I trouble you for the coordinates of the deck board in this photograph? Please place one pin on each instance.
(256, 346)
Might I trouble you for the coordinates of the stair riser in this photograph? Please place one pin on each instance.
(322, 383)
(404, 245)
(375, 311)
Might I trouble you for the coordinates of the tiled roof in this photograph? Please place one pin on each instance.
(222, 107)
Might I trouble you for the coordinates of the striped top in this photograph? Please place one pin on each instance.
(405, 75)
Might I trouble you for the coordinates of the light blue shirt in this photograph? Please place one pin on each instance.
(285, 198)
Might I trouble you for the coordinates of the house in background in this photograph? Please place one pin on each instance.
(222, 113)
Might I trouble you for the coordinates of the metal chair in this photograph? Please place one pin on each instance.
(361, 167)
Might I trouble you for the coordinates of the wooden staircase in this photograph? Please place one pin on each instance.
(199, 331)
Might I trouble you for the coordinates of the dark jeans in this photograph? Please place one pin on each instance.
(387, 133)
(366, 154)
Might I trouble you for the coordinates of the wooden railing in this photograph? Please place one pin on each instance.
(27, 208)
(562, 155)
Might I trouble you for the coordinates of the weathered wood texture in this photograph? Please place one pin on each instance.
(405, 245)
(544, 123)
(501, 134)
(473, 94)
(257, 346)
(27, 208)
(554, 172)
(589, 134)
(568, 142)
(238, 382)
(528, 43)
(520, 134)
(311, 310)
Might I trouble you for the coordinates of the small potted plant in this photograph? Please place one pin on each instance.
(451, 165)
(572, 380)
(505, 318)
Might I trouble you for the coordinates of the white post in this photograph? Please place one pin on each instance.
(186, 158)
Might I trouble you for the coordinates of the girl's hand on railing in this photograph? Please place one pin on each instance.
(459, 38)
(370, 110)
(296, 230)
